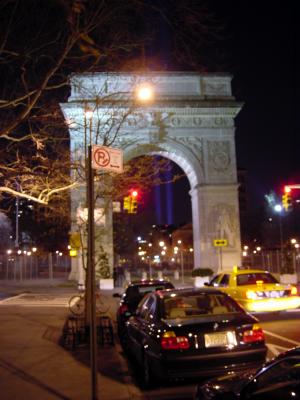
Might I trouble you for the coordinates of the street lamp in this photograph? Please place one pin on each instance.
(278, 209)
(144, 93)
(9, 252)
(149, 258)
(179, 242)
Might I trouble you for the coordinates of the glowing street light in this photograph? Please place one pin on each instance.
(144, 92)
(278, 209)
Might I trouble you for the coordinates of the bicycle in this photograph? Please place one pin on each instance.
(77, 304)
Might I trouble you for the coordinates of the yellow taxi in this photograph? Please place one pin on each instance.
(257, 290)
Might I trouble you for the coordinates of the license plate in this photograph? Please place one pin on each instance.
(220, 339)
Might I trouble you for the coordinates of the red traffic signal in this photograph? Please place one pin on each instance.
(287, 189)
(134, 193)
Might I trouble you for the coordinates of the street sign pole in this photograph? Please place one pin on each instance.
(109, 159)
(220, 243)
(221, 260)
(91, 277)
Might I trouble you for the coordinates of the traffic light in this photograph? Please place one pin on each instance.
(287, 199)
(130, 202)
(134, 202)
(134, 206)
(134, 193)
(127, 203)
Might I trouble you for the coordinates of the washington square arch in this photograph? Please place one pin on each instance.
(191, 122)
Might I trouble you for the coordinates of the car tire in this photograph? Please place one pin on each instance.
(124, 340)
(148, 380)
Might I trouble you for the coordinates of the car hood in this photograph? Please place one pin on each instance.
(231, 382)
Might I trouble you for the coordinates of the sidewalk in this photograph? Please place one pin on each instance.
(33, 365)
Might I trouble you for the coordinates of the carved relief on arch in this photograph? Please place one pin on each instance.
(219, 159)
(223, 223)
(194, 144)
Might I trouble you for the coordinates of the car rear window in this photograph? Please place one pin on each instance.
(254, 278)
(186, 306)
(140, 291)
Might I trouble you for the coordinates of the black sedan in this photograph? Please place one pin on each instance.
(279, 379)
(193, 332)
(133, 294)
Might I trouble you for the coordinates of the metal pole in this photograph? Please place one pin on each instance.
(91, 268)
(17, 223)
(281, 244)
(7, 256)
(150, 270)
(50, 266)
(182, 269)
(221, 259)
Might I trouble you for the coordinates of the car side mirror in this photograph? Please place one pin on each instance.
(206, 284)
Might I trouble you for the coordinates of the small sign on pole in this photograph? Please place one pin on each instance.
(220, 242)
(107, 158)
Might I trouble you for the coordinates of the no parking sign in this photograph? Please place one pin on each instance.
(107, 158)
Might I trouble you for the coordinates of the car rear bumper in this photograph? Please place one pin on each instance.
(276, 304)
(173, 365)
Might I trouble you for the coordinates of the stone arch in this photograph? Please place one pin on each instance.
(191, 123)
(180, 155)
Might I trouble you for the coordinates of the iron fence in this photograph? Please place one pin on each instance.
(20, 267)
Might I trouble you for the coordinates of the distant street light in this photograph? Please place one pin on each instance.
(278, 209)
(179, 242)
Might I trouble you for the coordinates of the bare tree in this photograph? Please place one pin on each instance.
(41, 43)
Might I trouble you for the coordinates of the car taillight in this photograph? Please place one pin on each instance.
(294, 291)
(123, 309)
(170, 341)
(255, 334)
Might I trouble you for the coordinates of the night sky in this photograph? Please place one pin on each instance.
(265, 67)
(260, 43)
(259, 47)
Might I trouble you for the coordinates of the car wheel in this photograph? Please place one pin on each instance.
(148, 380)
(123, 336)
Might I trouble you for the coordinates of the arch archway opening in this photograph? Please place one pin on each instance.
(163, 215)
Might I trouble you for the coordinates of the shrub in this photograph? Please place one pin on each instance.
(202, 272)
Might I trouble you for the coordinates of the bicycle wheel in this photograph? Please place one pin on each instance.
(76, 305)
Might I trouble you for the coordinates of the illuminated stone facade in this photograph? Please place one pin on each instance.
(191, 122)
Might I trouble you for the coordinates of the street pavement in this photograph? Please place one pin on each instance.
(33, 362)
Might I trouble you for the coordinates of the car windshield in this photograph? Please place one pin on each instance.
(254, 278)
(203, 304)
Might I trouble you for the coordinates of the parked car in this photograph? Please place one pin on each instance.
(133, 294)
(256, 290)
(193, 332)
(279, 379)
